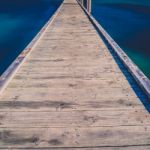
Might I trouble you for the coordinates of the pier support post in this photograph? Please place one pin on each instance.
(81, 1)
(89, 6)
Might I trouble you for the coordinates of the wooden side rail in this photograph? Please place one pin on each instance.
(138, 75)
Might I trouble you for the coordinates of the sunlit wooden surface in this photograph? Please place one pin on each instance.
(70, 94)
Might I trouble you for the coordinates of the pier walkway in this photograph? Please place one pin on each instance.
(70, 94)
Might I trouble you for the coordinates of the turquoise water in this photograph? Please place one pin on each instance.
(20, 20)
(128, 22)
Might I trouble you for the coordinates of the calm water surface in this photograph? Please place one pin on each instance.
(20, 20)
(128, 22)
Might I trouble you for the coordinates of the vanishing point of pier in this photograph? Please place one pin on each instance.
(69, 93)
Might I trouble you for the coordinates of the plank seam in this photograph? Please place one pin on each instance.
(83, 147)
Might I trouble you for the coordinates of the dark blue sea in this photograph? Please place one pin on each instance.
(20, 20)
(128, 22)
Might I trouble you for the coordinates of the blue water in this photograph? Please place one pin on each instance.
(128, 22)
(20, 20)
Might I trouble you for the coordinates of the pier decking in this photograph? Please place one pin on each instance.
(70, 94)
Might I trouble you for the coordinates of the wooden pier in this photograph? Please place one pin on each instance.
(69, 94)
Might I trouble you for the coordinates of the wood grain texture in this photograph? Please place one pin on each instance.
(75, 118)
(70, 94)
(75, 137)
(91, 148)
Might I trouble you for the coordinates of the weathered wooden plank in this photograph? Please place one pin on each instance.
(67, 105)
(92, 148)
(69, 89)
(75, 137)
(75, 118)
